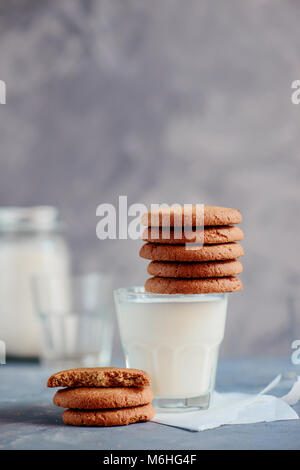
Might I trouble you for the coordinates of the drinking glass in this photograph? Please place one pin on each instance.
(176, 339)
(76, 326)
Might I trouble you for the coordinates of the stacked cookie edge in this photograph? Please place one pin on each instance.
(192, 260)
(103, 396)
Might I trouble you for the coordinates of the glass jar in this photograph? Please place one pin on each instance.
(31, 244)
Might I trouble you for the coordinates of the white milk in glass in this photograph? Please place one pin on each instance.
(176, 340)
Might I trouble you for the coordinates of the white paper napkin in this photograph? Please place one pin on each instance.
(236, 408)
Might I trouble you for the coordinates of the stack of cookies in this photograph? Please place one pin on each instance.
(193, 259)
(103, 396)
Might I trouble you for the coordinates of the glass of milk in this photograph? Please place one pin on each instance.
(176, 339)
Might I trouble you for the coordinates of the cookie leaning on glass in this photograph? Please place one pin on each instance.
(188, 259)
(103, 396)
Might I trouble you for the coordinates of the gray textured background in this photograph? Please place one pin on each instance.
(164, 101)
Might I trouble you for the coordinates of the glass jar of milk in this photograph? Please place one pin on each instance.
(176, 339)
(31, 244)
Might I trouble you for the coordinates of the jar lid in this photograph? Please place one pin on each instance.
(29, 219)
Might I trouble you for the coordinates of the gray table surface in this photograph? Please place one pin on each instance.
(28, 420)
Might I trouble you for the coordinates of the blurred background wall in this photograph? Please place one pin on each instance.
(163, 101)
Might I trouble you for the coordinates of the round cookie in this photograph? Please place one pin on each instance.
(178, 236)
(179, 216)
(168, 285)
(117, 417)
(91, 398)
(167, 252)
(99, 377)
(195, 270)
